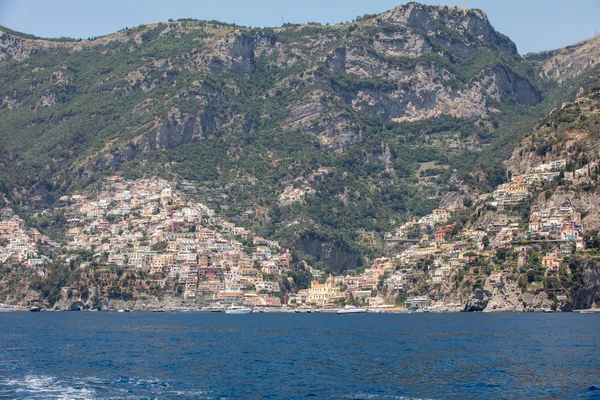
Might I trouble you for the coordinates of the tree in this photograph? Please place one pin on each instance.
(592, 239)
(179, 289)
(502, 253)
(160, 246)
(414, 232)
(485, 241)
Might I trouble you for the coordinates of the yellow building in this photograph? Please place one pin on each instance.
(517, 187)
(324, 293)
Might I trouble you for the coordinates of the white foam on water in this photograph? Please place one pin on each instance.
(363, 396)
(154, 387)
(36, 387)
(196, 394)
(45, 387)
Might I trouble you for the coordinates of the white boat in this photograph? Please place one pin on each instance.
(351, 310)
(213, 309)
(233, 309)
(182, 309)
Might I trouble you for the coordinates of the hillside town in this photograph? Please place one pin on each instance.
(178, 247)
(443, 249)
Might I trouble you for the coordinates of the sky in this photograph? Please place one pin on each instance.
(534, 25)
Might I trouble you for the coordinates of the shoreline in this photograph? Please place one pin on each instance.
(305, 311)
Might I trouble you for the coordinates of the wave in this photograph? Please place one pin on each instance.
(44, 387)
(36, 387)
(364, 396)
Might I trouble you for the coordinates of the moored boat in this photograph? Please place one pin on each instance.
(234, 309)
(182, 309)
(351, 310)
(213, 309)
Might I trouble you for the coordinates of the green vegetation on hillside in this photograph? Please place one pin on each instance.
(226, 107)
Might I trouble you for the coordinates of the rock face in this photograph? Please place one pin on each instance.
(500, 293)
(589, 291)
(505, 295)
(473, 25)
(146, 303)
(478, 302)
(563, 64)
(333, 255)
(14, 48)
(234, 54)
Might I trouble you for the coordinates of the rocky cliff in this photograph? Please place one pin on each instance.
(569, 62)
(184, 81)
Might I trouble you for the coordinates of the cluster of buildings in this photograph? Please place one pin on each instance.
(555, 223)
(20, 243)
(301, 187)
(352, 287)
(149, 227)
(180, 245)
(292, 194)
(439, 250)
(516, 191)
(558, 223)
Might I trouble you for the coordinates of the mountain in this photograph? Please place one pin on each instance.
(560, 65)
(563, 74)
(322, 137)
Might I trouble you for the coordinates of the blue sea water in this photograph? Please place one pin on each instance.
(299, 356)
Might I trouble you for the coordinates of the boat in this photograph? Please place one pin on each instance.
(182, 309)
(351, 310)
(121, 310)
(212, 309)
(233, 309)
(36, 309)
(7, 308)
(418, 302)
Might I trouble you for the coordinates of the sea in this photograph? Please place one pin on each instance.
(102, 355)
